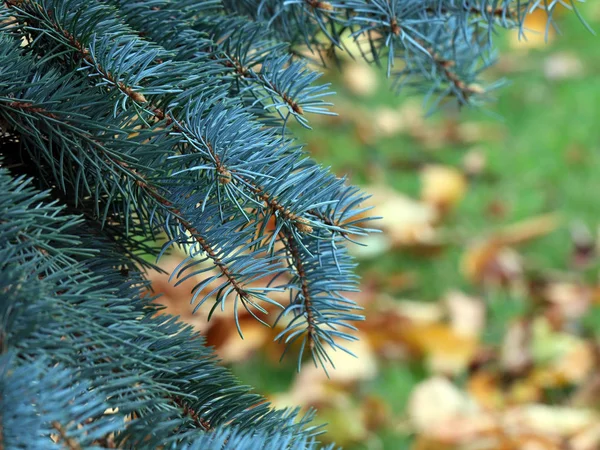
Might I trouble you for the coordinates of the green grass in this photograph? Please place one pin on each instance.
(546, 160)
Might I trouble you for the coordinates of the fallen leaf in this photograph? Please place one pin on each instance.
(560, 358)
(563, 66)
(571, 300)
(389, 122)
(492, 259)
(442, 186)
(435, 401)
(405, 222)
(360, 78)
(444, 350)
(484, 387)
(467, 314)
(419, 312)
(588, 439)
(376, 412)
(548, 420)
(515, 355)
(529, 229)
(234, 349)
(313, 386)
(474, 162)
(490, 262)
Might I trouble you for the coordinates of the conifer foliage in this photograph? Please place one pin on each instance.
(123, 121)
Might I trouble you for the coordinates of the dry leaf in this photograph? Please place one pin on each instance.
(529, 229)
(570, 301)
(562, 66)
(474, 162)
(442, 187)
(405, 222)
(436, 401)
(467, 314)
(420, 312)
(313, 386)
(493, 260)
(515, 354)
(444, 350)
(360, 78)
(548, 420)
(588, 439)
(484, 388)
(234, 349)
(389, 122)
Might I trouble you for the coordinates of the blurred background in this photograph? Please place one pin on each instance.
(482, 294)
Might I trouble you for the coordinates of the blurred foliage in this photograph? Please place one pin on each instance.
(482, 294)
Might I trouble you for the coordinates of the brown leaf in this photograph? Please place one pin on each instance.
(484, 387)
(493, 260)
(571, 300)
(490, 261)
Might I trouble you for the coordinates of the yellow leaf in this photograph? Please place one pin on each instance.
(445, 350)
(442, 187)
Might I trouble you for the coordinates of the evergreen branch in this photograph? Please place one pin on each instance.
(241, 46)
(139, 366)
(204, 127)
(223, 172)
(171, 115)
(153, 192)
(30, 107)
(197, 236)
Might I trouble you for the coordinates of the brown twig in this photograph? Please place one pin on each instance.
(26, 106)
(473, 9)
(189, 411)
(69, 442)
(294, 251)
(319, 5)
